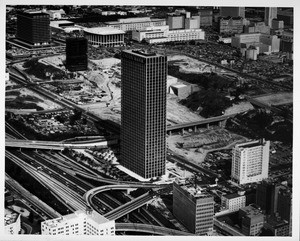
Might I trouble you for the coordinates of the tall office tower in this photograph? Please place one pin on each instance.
(33, 28)
(284, 205)
(193, 208)
(76, 54)
(266, 196)
(143, 112)
(250, 161)
(79, 223)
(232, 12)
(270, 13)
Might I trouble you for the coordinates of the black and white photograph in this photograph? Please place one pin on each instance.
(149, 119)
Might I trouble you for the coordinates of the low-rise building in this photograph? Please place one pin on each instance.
(231, 25)
(12, 222)
(233, 202)
(130, 24)
(259, 27)
(104, 36)
(266, 43)
(56, 14)
(162, 34)
(277, 226)
(79, 223)
(252, 220)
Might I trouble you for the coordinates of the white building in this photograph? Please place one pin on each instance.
(12, 222)
(161, 34)
(233, 202)
(104, 36)
(79, 223)
(129, 24)
(186, 35)
(56, 14)
(266, 42)
(250, 161)
(150, 33)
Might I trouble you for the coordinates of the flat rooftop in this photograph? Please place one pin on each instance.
(103, 30)
(142, 52)
(79, 213)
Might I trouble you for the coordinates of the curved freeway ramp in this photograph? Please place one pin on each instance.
(146, 228)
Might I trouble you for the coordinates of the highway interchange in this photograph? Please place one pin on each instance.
(63, 177)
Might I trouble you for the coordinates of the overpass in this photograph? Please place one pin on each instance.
(127, 207)
(218, 119)
(147, 228)
(130, 206)
(52, 145)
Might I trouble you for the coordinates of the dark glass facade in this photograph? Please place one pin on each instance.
(76, 54)
(143, 113)
(33, 28)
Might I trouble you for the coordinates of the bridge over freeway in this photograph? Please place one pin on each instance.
(127, 207)
(219, 119)
(147, 228)
(52, 145)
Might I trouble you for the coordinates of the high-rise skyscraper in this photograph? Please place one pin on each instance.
(267, 195)
(33, 28)
(76, 54)
(250, 161)
(143, 112)
(232, 12)
(270, 13)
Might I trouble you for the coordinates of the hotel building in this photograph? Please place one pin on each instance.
(250, 162)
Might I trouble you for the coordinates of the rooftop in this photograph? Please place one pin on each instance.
(10, 216)
(232, 195)
(142, 52)
(103, 30)
(251, 144)
(251, 211)
(79, 213)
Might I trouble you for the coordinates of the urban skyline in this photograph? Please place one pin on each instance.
(149, 120)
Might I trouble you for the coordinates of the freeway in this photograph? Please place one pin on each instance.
(173, 157)
(146, 228)
(33, 200)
